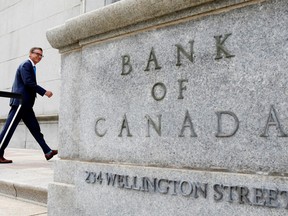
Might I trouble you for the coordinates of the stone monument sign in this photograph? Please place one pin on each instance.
(173, 108)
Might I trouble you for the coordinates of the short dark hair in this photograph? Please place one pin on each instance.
(35, 48)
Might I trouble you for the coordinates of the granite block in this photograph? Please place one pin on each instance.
(216, 109)
(131, 190)
(174, 114)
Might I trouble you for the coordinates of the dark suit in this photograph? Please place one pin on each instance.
(25, 84)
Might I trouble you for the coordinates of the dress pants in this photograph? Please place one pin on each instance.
(28, 116)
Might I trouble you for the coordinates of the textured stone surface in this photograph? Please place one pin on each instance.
(70, 105)
(63, 199)
(108, 199)
(247, 85)
(124, 13)
(243, 76)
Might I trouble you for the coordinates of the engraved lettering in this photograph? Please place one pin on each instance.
(158, 87)
(243, 195)
(126, 64)
(187, 123)
(285, 194)
(220, 133)
(219, 193)
(126, 126)
(258, 197)
(134, 187)
(220, 48)
(143, 184)
(120, 179)
(152, 58)
(126, 181)
(88, 177)
(186, 54)
(186, 188)
(181, 88)
(157, 128)
(149, 184)
(230, 189)
(99, 177)
(174, 184)
(110, 177)
(163, 189)
(202, 190)
(92, 177)
(273, 121)
(96, 127)
(235, 194)
(271, 199)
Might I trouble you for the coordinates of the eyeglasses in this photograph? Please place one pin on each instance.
(38, 54)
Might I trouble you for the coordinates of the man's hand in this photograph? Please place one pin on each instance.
(48, 94)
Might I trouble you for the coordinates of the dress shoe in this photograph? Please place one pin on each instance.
(51, 154)
(3, 160)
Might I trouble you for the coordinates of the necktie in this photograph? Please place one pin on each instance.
(34, 70)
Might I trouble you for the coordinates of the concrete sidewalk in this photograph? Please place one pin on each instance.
(27, 178)
(14, 207)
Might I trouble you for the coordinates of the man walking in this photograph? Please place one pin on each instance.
(26, 85)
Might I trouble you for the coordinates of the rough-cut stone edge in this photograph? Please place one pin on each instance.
(127, 14)
(117, 15)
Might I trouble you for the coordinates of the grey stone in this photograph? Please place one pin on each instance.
(69, 126)
(125, 13)
(241, 84)
(63, 199)
(108, 199)
(223, 110)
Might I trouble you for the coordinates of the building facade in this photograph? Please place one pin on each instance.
(23, 25)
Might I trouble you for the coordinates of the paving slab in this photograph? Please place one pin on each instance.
(28, 176)
(14, 207)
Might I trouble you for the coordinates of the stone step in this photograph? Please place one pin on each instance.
(28, 176)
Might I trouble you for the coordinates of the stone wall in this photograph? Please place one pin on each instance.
(180, 108)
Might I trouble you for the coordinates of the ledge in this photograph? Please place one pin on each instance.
(114, 16)
(128, 16)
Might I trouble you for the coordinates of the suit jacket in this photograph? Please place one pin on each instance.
(25, 83)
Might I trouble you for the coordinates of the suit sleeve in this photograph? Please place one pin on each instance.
(29, 80)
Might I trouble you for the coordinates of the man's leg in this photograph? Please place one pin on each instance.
(31, 122)
(13, 127)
